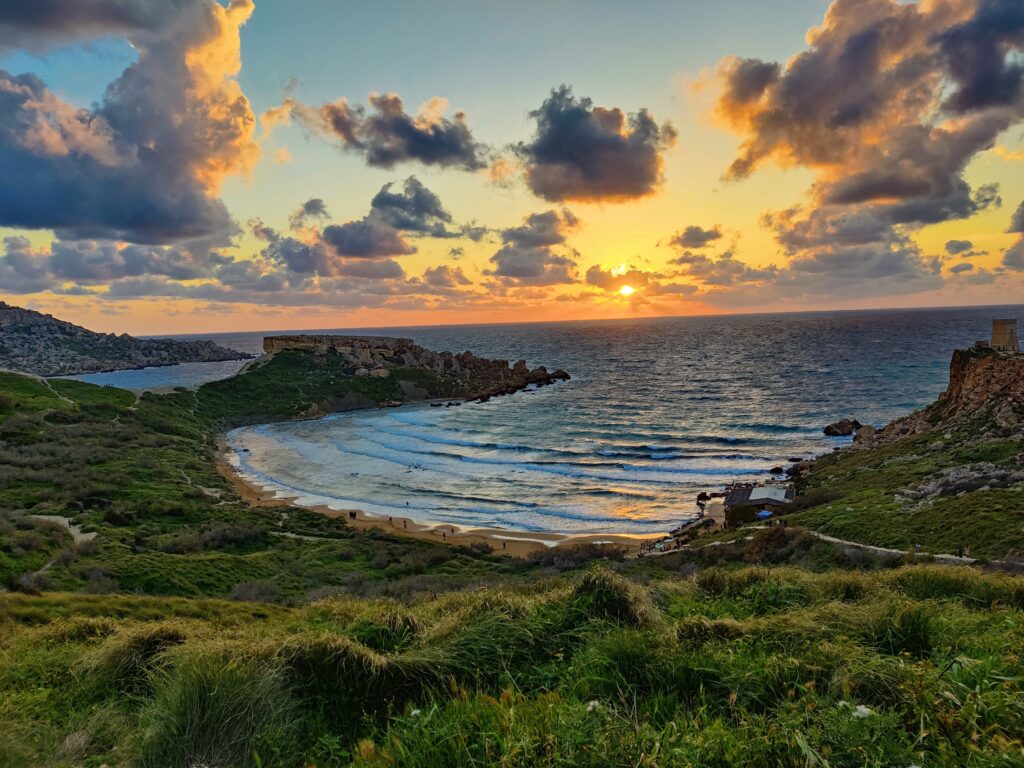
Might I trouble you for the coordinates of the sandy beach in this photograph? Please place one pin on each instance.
(503, 541)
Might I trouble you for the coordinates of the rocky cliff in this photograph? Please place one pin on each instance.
(36, 343)
(376, 356)
(985, 393)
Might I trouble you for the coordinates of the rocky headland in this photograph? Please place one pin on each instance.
(32, 342)
(474, 378)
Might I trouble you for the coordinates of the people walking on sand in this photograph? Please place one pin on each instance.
(405, 523)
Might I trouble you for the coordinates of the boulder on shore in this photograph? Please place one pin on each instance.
(842, 428)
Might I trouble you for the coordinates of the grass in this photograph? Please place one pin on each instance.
(351, 648)
(849, 669)
(141, 474)
(863, 491)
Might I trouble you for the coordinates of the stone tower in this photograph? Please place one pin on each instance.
(1004, 336)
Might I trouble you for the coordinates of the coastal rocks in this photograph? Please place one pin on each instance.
(964, 479)
(864, 434)
(842, 428)
(45, 346)
(462, 374)
(800, 469)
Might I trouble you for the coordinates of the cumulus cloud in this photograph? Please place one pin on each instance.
(583, 152)
(535, 252)
(868, 107)
(146, 162)
(386, 135)
(696, 237)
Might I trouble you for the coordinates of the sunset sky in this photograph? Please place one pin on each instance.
(179, 166)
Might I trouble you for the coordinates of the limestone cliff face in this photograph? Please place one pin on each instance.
(986, 391)
(374, 356)
(984, 383)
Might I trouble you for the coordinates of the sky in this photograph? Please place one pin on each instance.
(189, 166)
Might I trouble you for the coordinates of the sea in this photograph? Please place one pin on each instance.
(657, 411)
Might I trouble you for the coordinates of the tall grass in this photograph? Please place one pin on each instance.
(208, 710)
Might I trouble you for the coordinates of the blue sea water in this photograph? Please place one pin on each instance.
(657, 410)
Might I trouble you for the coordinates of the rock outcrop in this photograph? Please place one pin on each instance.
(842, 428)
(32, 342)
(376, 356)
(985, 392)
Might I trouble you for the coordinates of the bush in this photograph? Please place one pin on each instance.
(906, 628)
(209, 710)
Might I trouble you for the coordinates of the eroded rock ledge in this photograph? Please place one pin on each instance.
(376, 356)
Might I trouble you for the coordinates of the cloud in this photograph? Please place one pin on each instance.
(368, 238)
(1013, 257)
(1017, 220)
(956, 269)
(583, 152)
(388, 135)
(314, 208)
(696, 237)
(869, 109)
(955, 247)
(444, 276)
(41, 24)
(977, 55)
(145, 164)
(535, 252)
(91, 262)
(414, 209)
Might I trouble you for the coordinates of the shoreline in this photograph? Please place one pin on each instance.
(502, 541)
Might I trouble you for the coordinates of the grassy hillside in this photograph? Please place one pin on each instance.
(141, 475)
(750, 667)
(196, 630)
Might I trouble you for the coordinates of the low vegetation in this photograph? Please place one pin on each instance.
(195, 629)
(729, 667)
(873, 497)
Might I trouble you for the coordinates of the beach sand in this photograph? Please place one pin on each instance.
(501, 541)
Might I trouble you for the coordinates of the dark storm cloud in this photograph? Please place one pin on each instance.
(144, 164)
(977, 55)
(695, 236)
(388, 135)
(534, 253)
(583, 152)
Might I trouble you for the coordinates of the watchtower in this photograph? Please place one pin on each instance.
(1004, 336)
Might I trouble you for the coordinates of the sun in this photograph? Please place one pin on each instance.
(627, 290)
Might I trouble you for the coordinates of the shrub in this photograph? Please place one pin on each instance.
(602, 594)
(904, 628)
(208, 710)
(125, 660)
